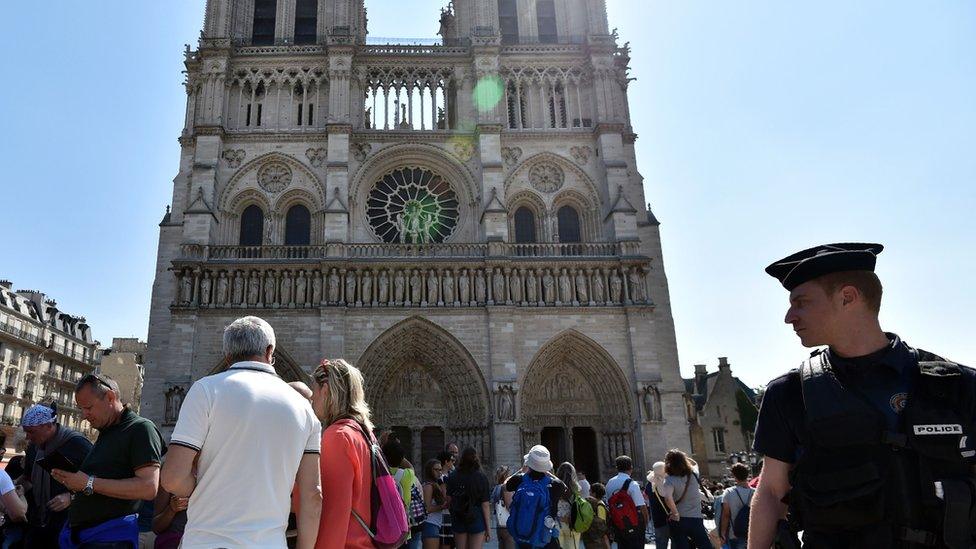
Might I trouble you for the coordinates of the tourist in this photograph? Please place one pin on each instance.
(537, 469)
(497, 501)
(568, 539)
(242, 489)
(436, 502)
(584, 484)
(596, 536)
(339, 399)
(448, 460)
(683, 498)
(120, 471)
(47, 507)
(394, 453)
(12, 497)
(169, 519)
(452, 448)
(736, 499)
(470, 513)
(628, 536)
(655, 502)
(13, 532)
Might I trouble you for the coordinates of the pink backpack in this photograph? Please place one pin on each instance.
(388, 516)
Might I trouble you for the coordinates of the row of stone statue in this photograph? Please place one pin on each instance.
(393, 287)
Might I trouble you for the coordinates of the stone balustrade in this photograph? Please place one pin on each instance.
(340, 250)
(569, 281)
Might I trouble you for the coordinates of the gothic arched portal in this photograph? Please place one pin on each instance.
(419, 379)
(575, 400)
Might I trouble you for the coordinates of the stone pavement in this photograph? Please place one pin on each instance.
(493, 544)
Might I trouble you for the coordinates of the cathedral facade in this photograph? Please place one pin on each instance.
(465, 221)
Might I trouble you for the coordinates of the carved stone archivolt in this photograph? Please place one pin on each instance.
(546, 177)
(419, 375)
(274, 176)
(218, 286)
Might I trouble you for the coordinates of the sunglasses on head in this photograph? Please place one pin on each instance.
(89, 378)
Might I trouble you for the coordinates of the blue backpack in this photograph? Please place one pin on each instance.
(527, 515)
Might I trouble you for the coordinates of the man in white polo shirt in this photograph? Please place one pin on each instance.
(243, 440)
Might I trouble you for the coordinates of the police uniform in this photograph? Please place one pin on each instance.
(882, 445)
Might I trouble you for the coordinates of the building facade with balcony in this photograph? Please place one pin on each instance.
(464, 220)
(43, 354)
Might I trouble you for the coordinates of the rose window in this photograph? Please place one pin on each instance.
(274, 176)
(412, 206)
(546, 177)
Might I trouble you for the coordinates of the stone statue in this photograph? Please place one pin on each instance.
(301, 289)
(636, 283)
(480, 288)
(316, 288)
(615, 286)
(384, 287)
(531, 291)
(581, 292)
(498, 286)
(174, 401)
(515, 285)
(464, 287)
(205, 289)
(399, 284)
(350, 286)
(432, 286)
(186, 288)
(286, 290)
(598, 286)
(366, 286)
(269, 288)
(649, 406)
(238, 288)
(565, 287)
(416, 288)
(506, 404)
(448, 291)
(222, 288)
(333, 287)
(254, 288)
(548, 287)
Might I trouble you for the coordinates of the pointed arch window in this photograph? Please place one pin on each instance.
(306, 21)
(263, 32)
(524, 226)
(298, 226)
(569, 225)
(252, 226)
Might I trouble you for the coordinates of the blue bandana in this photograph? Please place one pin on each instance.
(38, 414)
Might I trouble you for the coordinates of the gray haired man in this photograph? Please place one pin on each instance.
(244, 438)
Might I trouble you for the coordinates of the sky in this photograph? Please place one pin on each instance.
(764, 127)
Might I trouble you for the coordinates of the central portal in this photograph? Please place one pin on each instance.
(424, 385)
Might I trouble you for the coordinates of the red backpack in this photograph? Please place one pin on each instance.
(623, 511)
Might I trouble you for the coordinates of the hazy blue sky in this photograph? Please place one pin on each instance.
(765, 127)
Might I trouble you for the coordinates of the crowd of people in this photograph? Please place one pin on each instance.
(215, 487)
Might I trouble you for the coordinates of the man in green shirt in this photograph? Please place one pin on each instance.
(121, 470)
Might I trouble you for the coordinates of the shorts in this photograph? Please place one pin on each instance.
(430, 531)
(447, 533)
(476, 526)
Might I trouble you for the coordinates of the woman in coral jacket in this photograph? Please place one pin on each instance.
(339, 400)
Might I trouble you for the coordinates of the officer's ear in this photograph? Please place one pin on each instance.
(849, 295)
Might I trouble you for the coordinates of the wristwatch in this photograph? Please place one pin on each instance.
(89, 486)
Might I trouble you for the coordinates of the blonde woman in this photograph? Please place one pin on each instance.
(339, 400)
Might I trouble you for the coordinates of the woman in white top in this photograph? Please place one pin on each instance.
(435, 500)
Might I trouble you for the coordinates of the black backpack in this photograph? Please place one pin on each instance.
(462, 507)
(740, 523)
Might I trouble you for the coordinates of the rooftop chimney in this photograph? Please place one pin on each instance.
(723, 363)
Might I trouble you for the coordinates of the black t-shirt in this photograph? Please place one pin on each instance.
(659, 515)
(556, 488)
(475, 483)
(884, 378)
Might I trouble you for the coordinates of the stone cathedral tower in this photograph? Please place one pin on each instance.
(464, 221)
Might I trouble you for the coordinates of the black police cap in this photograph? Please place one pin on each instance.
(814, 262)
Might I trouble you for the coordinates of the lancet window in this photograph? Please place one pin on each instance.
(306, 21)
(508, 21)
(552, 98)
(545, 13)
(263, 32)
(409, 99)
(524, 226)
(568, 220)
(252, 226)
(298, 226)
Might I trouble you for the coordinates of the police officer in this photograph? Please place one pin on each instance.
(871, 442)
